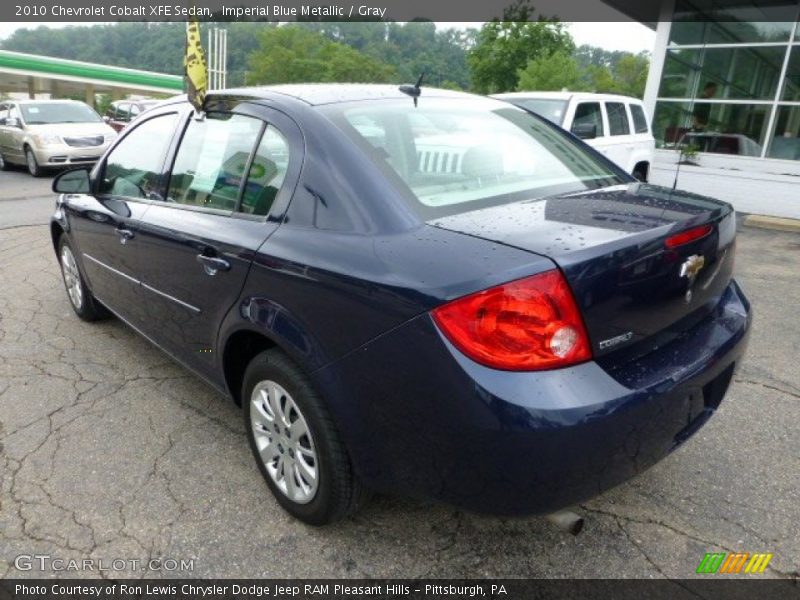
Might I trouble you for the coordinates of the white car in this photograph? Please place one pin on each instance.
(43, 134)
(617, 126)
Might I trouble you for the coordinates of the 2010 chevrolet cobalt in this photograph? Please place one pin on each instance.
(432, 293)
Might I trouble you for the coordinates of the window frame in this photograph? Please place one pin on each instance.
(602, 112)
(174, 156)
(607, 104)
(269, 117)
(636, 131)
(98, 173)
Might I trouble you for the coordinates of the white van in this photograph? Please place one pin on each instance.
(615, 125)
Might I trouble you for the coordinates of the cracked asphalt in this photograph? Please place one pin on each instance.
(110, 450)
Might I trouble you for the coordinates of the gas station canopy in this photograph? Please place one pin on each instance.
(32, 74)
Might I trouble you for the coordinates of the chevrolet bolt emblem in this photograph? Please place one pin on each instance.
(689, 269)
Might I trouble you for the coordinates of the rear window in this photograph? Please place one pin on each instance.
(639, 120)
(617, 119)
(451, 156)
(550, 109)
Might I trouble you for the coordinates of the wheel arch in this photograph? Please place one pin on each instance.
(642, 166)
(56, 231)
(239, 348)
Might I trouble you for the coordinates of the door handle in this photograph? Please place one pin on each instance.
(212, 264)
(124, 234)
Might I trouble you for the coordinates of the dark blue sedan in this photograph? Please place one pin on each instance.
(442, 296)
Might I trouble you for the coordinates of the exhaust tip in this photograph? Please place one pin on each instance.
(567, 521)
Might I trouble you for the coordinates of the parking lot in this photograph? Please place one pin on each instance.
(110, 450)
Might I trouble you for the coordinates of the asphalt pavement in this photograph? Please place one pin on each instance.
(110, 450)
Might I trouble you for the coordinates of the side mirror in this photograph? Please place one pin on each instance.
(106, 119)
(585, 131)
(13, 122)
(75, 181)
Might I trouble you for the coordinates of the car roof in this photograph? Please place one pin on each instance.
(50, 101)
(330, 93)
(566, 95)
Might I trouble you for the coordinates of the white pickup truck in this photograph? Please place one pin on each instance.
(615, 125)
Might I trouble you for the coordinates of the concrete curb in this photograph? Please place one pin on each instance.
(776, 223)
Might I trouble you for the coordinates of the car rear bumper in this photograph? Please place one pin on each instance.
(418, 422)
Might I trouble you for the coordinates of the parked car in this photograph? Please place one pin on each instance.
(616, 126)
(722, 143)
(513, 331)
(43, 134)
(122, 112)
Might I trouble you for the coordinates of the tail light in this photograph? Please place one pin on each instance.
(690, 235)
(525, 325)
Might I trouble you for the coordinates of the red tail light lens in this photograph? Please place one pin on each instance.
(690, 235)
(525, 325)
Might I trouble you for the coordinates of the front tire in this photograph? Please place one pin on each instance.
(295, 442)
(4, 166)
(33, 165)
(80, 298)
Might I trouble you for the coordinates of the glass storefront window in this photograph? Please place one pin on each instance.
(736, 73)
(791, 86)
(738, 129)
(711, 22)
(786, 139)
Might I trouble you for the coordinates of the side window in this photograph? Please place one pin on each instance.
(589, 113)
(639, 120)
(3, 113)
(617, 119)
(135, 110)
(123, 112)
(134, 167)
(212, 160)
(266, 173)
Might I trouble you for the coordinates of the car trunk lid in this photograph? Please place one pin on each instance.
(634, 291)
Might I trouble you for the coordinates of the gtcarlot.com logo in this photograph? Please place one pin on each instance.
(46, 562)
(734, 562)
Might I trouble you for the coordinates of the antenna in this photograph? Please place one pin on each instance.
(680, 160)
(413, 90)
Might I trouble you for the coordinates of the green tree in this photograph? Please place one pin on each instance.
(291, 54)
(504, 47)
(630, 73)
(550, 73)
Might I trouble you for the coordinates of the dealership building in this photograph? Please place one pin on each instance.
(725, 79)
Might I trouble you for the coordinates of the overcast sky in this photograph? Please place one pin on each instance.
(633, 37)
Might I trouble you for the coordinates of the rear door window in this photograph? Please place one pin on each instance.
(617, 119)
(639, 119)
(589, 113)
(212, 161)
(267, 173)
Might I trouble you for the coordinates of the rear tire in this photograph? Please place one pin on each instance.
(295, 442)
(80, 298)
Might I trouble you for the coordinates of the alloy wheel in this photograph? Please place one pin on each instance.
(284, 442)
(72, 277)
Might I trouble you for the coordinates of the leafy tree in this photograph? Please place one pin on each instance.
(551, 73)
(290, 54)
(613, 71)
(504, 47)
(630, 73)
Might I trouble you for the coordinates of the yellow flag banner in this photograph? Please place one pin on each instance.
(196, 69)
